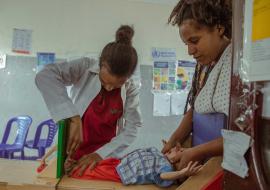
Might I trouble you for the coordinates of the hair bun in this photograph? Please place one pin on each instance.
(124, 34)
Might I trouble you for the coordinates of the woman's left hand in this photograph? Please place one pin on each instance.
(182, 158)
(173, 153)
(89, 160)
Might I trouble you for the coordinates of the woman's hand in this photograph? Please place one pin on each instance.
(69, 165)
(167, 146)
(75, 134)
(89, 160)
(182, 158)
(171, 154)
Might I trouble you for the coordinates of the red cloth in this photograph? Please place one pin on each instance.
(215, 183)
(100, 121)
(104, 170)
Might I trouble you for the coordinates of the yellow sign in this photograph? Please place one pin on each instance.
(261, 16)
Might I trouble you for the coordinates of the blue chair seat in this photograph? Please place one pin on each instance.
(41, 144)
(11, 147)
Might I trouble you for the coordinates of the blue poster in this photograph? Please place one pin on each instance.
(44, 58)
(164, 69)
(184, 74)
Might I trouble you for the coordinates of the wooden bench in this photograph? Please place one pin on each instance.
(21, 175)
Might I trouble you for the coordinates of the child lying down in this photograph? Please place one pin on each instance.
(141, 166)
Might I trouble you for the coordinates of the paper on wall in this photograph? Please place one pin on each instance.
(184, 74)
(3, 61)
(255, 60)
(22, 41)
(178, 102)
(235, 146)
(164, 69)
(161, 104)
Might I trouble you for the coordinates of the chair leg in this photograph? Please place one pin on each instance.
(6, 155)
(22, 155)
(2, 154)
(10, 155)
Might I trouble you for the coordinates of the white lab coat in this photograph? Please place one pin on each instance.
(82, 74)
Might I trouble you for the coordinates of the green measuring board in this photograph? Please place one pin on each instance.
(61, 147)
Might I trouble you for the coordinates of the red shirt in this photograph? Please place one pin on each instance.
(100, 121)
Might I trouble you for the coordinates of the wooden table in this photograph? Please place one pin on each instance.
(21, 175)
(209, 170)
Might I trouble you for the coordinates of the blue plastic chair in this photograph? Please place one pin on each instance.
(22, 123)
(42, 144)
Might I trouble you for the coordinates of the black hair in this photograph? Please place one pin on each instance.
(120, 56)
(208, 13)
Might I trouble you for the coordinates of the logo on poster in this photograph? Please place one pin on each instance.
(163, 53)
(155, 53)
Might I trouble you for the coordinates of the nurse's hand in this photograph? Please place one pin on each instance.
(75, 134)
(171, 154)
(69, 165)
(167, 146)
(89, 160)
(182, 158)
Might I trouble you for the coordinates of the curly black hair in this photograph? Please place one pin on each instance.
(205, 12)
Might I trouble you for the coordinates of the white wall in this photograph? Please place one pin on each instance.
(71, 28)
(79, 27)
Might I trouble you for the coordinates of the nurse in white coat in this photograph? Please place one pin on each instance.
(103, 109)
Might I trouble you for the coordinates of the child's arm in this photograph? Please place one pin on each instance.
(172, 175)
(52, 150)
(191, 169)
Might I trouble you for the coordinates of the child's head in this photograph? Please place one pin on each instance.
(172, 153)
(192, 167)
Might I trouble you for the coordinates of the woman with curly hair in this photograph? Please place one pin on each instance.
(205, 28)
